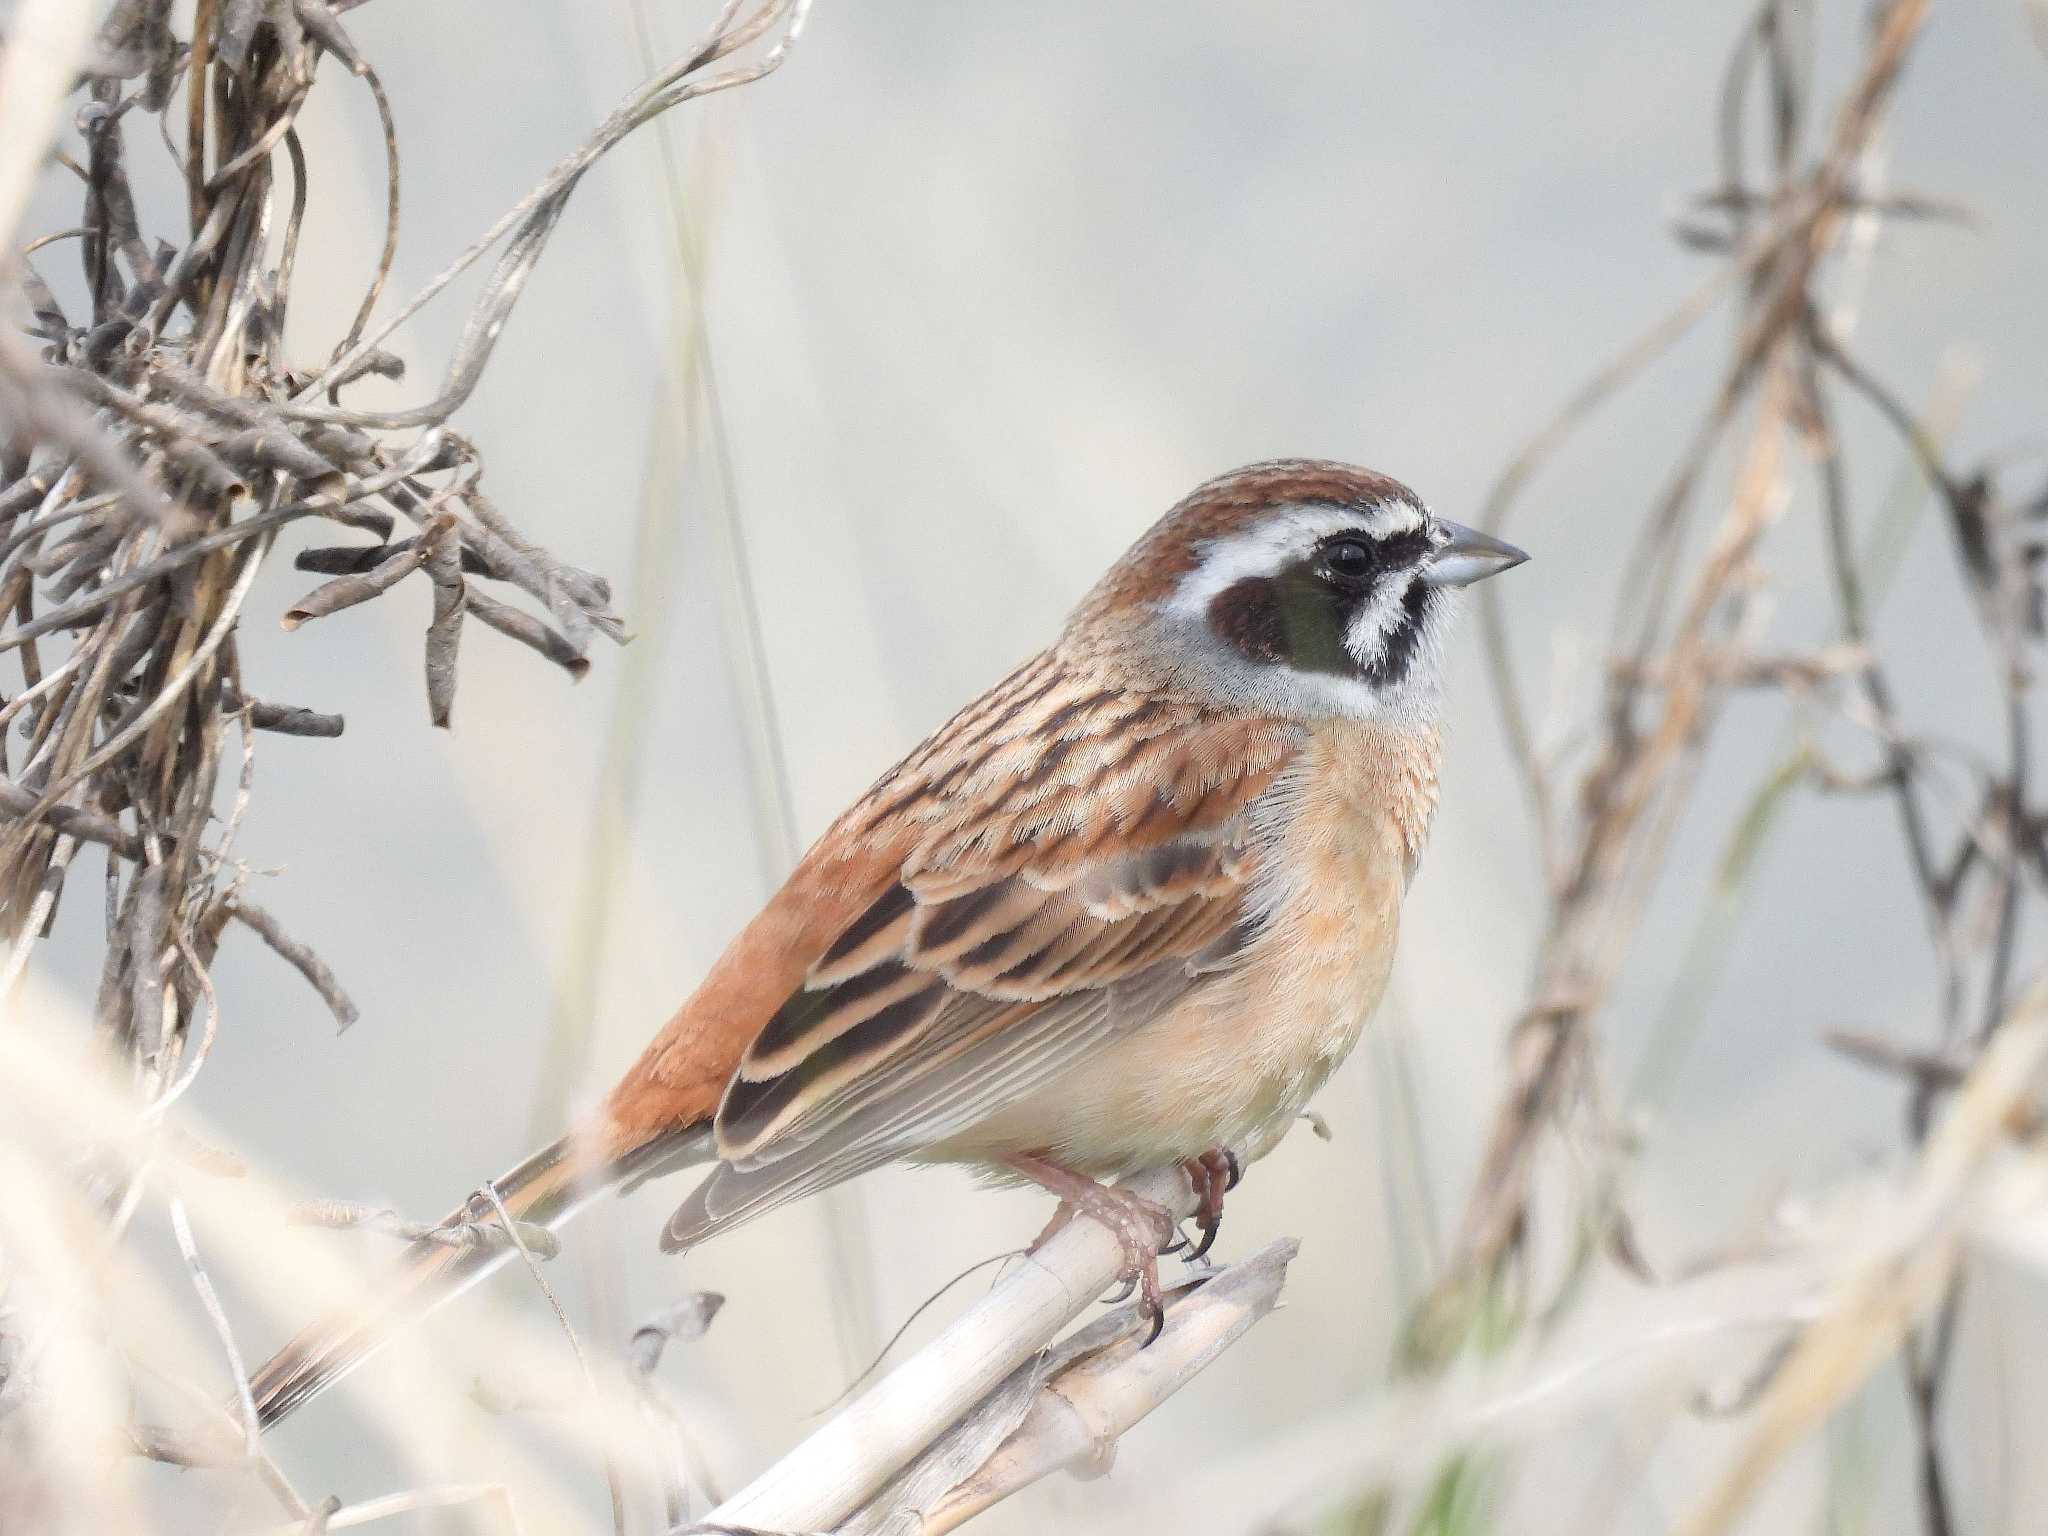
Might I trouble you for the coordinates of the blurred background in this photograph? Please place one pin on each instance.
(959, 301)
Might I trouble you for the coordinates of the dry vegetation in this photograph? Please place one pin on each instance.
(1797, 201)
(154, 444)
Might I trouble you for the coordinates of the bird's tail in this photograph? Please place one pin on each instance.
(545, 1190)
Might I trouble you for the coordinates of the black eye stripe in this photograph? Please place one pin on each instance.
(1407, 548)
(1335, 554)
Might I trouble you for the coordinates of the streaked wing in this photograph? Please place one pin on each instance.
(923, 1101)
(1076, 866)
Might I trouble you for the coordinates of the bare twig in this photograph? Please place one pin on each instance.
(1096, 1386)
(319, 976)
(1630, 796)
(537, 1240)
(1685, 635)
(1904, 1279)
(846, 1461)
(512, 1230)
(217, 1315)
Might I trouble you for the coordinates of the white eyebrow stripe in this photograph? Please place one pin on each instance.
(1283, 538)
(1388, 518)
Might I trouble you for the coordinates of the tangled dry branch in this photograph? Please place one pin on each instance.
(156, 437)
(159, 438)
(1686, 633)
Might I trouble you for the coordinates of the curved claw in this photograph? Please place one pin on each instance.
(1212, 1174)
(1142, 1229)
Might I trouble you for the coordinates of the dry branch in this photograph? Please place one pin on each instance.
(1093, 1387)
(1681, 642)
(842, 1466)
(1685, 634)
(1903, 1278)
(155, 441)
(160, 442)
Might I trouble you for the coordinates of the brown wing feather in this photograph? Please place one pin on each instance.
(1008, 921)
(919, 1099)
(1056, 842)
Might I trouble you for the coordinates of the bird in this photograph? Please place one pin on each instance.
(1127, 909)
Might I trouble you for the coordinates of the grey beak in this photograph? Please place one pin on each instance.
(1469, 556)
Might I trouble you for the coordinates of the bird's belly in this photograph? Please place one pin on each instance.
(1178, 1086)
(1231, 1065)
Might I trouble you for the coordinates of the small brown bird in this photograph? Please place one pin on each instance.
(1129, 908)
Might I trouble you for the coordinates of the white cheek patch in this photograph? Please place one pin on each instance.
(1375, 621)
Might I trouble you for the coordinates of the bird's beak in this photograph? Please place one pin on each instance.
(1469, 556)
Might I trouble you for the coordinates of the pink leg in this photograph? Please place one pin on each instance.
(1213, 1175)
(1140, 1227)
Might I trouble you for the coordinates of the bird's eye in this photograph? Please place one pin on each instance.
(1347, 560)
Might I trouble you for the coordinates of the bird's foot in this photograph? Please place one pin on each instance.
(1140, 1227)
(1214, 1174)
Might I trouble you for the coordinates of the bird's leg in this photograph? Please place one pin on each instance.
(1140, 1228)
(1214, 1174)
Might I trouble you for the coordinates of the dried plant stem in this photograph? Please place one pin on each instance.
(512, 1229)
(1685, 633)
(217, 1315)
(840, 1466)
(155, 438)
(1903, 1281)
(1082, 1408)
(344, 1517)
(1630, 798)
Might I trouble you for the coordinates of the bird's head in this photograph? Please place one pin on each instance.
(1301, 589)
